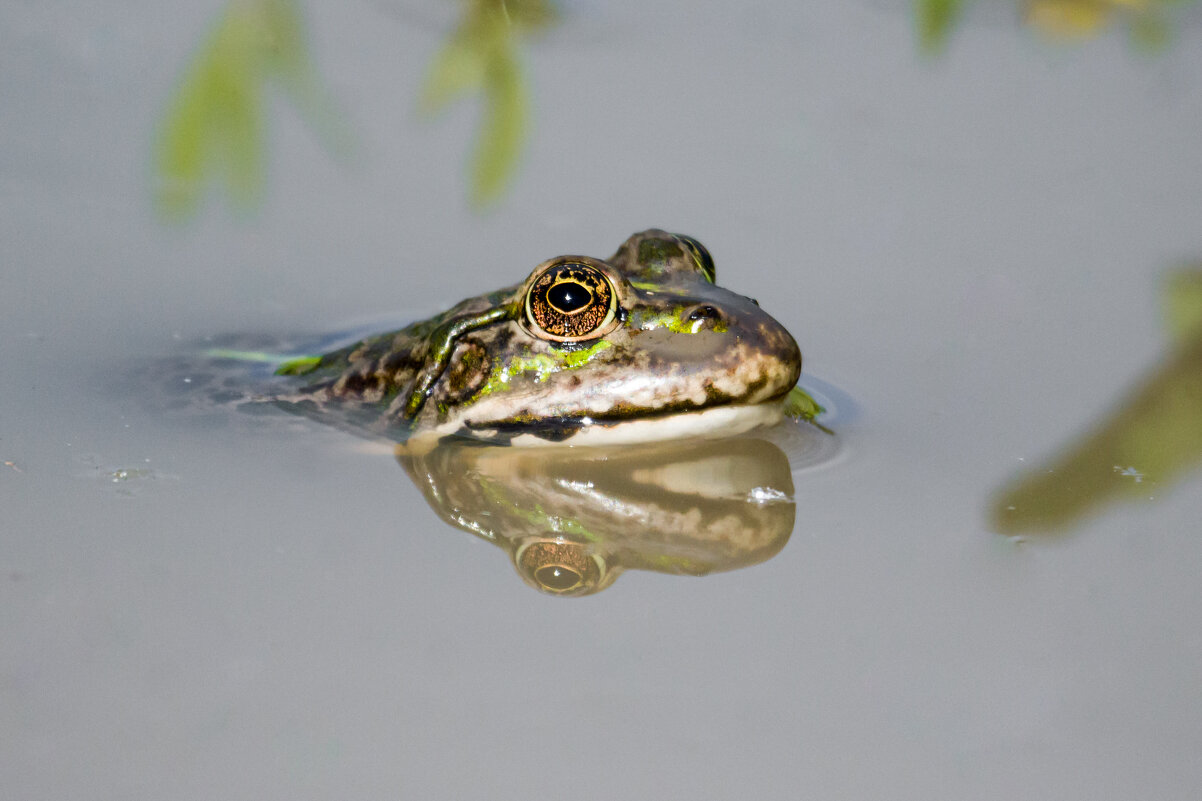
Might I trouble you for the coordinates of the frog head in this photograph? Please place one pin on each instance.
(630, 347)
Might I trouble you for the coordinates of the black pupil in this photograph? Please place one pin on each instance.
(557, 577)
(569, 296)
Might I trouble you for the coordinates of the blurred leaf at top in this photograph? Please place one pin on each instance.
(935, 21)
(1149, 22)
(1139, 450)
(482, 57)
(213, 129)
(1084, 19)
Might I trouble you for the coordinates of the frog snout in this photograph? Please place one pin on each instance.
(778, 354)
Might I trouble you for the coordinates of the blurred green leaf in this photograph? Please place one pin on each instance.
(213, 118)
(503, 130)
(213, 128)
(1148, 21)
(1151, 32)
(1183, 304)
(458, 70)
(936, 18)
(1068, 19)
(482, 56)
(287, 61)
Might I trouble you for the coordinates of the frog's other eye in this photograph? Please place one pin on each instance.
(701, 256)
(571, 301)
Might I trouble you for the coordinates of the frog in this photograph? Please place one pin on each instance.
(642, 346)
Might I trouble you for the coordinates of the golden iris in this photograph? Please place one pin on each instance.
(570, 301)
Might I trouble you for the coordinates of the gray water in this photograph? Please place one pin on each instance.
(971, 247)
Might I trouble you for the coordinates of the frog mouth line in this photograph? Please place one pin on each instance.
(668, 424)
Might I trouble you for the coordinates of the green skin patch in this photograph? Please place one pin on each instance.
(443, 343)
(542, 365)
(658, 255)
(674, 320)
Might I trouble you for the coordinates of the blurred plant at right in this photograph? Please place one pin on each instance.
(1145, 445)
(1149, 22)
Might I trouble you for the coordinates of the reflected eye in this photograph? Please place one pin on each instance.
(571, 301)
(560, 568)
(701, 256)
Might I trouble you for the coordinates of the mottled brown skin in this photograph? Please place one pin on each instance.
(677, 343)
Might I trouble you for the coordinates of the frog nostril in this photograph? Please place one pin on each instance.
(705, 318)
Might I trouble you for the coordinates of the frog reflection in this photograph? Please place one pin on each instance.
(573, 519)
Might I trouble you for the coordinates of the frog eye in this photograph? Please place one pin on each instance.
(571, 301)
(701, 256)
(559, 567)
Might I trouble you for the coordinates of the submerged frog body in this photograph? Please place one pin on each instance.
(642, 346)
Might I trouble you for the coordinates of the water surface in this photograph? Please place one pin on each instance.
(970, 247)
